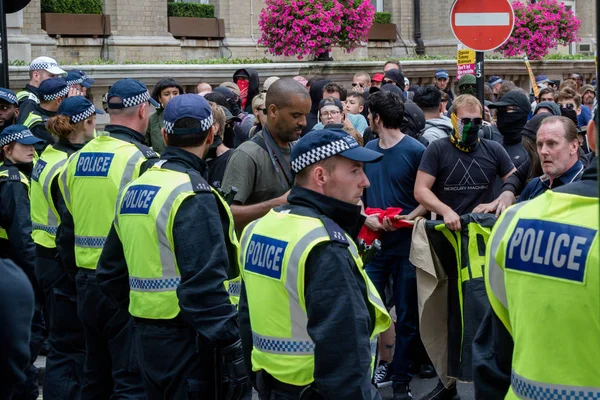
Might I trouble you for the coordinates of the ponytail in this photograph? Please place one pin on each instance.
(61, 126)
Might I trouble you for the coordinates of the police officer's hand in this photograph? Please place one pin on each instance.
(505, 200)
(234, 379)
(452, 221)
(73, 91)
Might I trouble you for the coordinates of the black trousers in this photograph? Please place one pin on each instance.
(173, 364)
(64, 363)
(111, 369)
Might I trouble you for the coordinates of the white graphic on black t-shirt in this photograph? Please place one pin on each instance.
(463, 178)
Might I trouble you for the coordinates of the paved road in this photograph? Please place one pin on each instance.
(419, 387)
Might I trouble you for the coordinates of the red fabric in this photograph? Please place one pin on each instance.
(368, 235)
(243, 85)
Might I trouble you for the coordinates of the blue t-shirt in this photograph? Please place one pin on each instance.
(584, 117)
(392, 185)
(358, 121)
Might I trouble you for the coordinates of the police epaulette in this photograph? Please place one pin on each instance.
(146, 151)
(199, 184)
(13, 174)
(336, 234)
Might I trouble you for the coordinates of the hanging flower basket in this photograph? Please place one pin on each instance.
(313, 27)
(540, 27)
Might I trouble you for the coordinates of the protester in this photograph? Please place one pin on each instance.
(268, 82)
(547, 107)
(429, 99)
(355, 103)
(355, 121)
(316, 95)
(260, 168)
(495, 82)
(361, 82)
(392, 64)
(377, 80)
(570, 106)
(441, 81)
(512, 114)
(218, 154)
(164, 90)
(203, 88)
(260, 114)
(588, 95)
(558, 150)
(248, 81)
(392, 182)
(246, 120)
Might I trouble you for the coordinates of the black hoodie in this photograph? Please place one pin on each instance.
(316, 95)
(253, 87)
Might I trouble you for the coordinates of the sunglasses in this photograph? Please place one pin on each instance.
(469, 87)
(386, 81)
(467, 121)
(569, 106)
(354, 84)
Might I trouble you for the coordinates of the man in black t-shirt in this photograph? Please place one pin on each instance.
(218, 154)
(457, 174)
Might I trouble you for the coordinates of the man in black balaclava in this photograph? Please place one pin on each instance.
(512, 115)
(395, 77)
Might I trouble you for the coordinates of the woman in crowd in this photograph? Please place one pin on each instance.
(260, 112)
(163, 91)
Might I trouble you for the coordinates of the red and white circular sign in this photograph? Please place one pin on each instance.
(482, 25)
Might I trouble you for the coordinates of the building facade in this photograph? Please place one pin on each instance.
(140, 32)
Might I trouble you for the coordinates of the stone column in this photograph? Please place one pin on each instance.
(140, 31)
(19, 46)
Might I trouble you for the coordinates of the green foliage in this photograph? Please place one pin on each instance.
(382, 18)
(72, 6)
(191, 10)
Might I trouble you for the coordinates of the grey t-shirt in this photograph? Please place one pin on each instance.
(251, 171)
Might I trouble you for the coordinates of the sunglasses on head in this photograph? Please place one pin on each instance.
(476, 121)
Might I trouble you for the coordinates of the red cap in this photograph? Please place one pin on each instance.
(377, 78)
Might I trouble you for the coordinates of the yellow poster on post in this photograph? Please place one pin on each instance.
(465, 63)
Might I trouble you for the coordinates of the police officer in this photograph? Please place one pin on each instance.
(16, 152)
(90, 184)
(309, 314)
(540, 338)
(186, 326)
(9, 108)
(40, 69)
(74, 126)
(78, 82)
(52, 92)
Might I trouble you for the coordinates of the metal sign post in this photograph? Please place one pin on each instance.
(4, 36)
(480, 75)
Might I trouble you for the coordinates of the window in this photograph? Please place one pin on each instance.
(378, 4)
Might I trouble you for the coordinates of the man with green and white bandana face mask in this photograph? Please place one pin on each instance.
(458, 174)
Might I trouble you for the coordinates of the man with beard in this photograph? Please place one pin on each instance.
(9, 108)
(513, 111)
(260, 167)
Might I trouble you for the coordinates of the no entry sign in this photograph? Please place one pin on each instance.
(482, 25)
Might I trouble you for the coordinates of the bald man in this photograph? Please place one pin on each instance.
(260, 168)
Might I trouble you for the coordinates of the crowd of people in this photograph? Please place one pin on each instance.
(210, 246)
